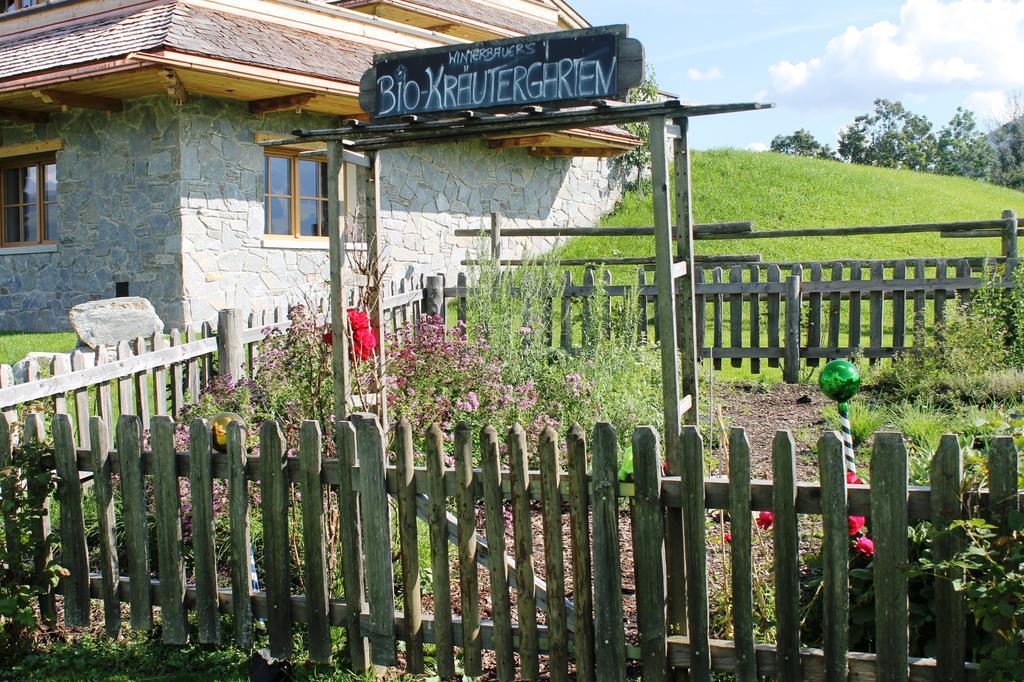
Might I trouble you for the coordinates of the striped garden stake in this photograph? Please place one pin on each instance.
(846, 433)
(840, 381)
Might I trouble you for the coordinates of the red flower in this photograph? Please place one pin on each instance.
(853, 479)
(364, 341)
(328, 338)
(765, 520)
(728, 538)
(864, 545)
(854, 524)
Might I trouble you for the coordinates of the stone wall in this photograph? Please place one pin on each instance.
(170, 199)
(118, 198)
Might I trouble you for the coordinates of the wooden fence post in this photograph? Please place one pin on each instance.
(889, 528)
(836, 555)
(496, 239)
(167, 505)
(791, 366)
(74, 553)
(946, 478)
(1010, 234)
(230, 348)
(433, 296)
(136, 527)
(649, 553)
(610, 642)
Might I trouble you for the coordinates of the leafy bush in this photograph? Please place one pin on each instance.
(26, 485)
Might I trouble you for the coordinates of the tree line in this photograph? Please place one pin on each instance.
(891, 136)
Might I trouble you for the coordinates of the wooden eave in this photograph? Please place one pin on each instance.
(178, 74)
(571, 142)
(431, 19)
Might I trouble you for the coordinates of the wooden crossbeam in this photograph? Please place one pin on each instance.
(175, 88)
(24, 115)
(78, 100)
(286, 103)
(590, 152)
(514, 142)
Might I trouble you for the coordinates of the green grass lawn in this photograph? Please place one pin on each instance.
(776, 191)
(15, 345)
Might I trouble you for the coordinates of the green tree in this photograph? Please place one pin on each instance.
(637, 161)
(962, 149)
(1007, 140)
(891, 136)
(801, 143)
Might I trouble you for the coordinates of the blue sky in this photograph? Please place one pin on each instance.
(824, 62)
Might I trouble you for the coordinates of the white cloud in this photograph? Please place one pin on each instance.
(713, 73)
(988, 105)
(757, 147)
(935, 46)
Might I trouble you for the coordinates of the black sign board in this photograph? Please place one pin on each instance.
(567, 67)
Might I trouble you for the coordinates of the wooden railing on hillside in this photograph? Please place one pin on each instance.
(599, 641)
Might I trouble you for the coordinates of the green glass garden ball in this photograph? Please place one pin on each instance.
(839, 380)
(219, 429)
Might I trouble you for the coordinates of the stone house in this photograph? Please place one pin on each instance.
(130, 161)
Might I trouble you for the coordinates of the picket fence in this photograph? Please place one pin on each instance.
(791, 314)
(580, 625)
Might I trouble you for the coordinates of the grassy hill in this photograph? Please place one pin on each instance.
(776, 191)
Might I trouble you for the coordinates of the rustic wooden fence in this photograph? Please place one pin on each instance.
(791, 314)
(592, 632)
(159, 374)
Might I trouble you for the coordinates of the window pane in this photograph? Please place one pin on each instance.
(51, 182)
(324, 225)
(307, 178)
(52, 222)
(30, 223)
(278, 175)
(12, 185)
(12, 224)
(279, 216)
(309, 223)
(323, 180)
(30, 185)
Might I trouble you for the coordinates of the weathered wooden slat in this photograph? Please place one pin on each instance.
(159, 378)
(34, 434)
(167, 504)
(889, 532)
(565, 314)
(374, 506)
(313, 545)
(791, 362)
(946, 476)
(736, 314)
(786, 538)
(587, 320)
(501, 605)
(526, 598)
(855, 320)
(642, 300)
(899, 306)
(610, 661)
(192, 372)
(551, 516)
(136, 527)
(835, 309)
(81, 398)
(579, 522)
(103, 490)
(719, 341)
(142, 381)
(241, 547)
(7, 381)
(814, 311)
(204, 551)
(177, 376)
(1002, 481)
(876, 306)
(277, 562)
(774, 275)
(740, 550)
(351, 532)
(835, 554)
(919, 301)
(754, 323)
(409, 546)
(963, 273)
(59, 368)
(436, 523)
(74, 553)
(649, 554)
(692, 461)
(941, 271)
(465, 504)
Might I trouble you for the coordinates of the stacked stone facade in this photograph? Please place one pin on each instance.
(169, 198)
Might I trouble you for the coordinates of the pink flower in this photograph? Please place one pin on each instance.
(854, 524)
(728, 538)
(525, 330)
(765, 520)
(853, 479)
(864, 545)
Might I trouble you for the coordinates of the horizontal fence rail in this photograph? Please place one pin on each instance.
(604, 518)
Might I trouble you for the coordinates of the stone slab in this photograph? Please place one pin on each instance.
(108, 321)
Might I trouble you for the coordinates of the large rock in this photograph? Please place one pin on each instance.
(110, 320)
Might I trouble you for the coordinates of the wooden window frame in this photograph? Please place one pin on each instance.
(295, 196)
(18, 5)
(39, 162)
